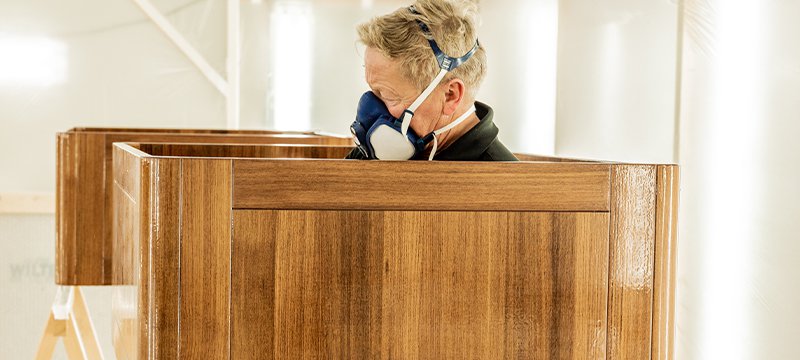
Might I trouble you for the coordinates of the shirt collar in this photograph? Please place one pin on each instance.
(474, 142)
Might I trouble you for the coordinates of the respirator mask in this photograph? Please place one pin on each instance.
(379, 135)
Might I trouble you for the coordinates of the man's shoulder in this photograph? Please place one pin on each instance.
(497, 151)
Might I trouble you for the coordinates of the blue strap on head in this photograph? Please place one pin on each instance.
(445, 62)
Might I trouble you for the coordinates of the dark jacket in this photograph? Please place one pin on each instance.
(478, 144)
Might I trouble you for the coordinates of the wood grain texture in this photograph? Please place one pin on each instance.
(65, 209)
(161, 283)
(327, 285)
(436, 285)
(84, 212)
(89, 210)
(128, 205)
(225, 139)
(185, 136)
(665, 262)
(182, 131)
(246, 151)
(252, 286)
(211, 281)
(632, 237)
(205, 259)
(391, 185)
(142, 264)
(476, 296)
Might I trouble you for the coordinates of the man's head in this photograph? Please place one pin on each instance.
(399, 62)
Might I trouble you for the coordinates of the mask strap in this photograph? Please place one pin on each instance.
(408, 113)
(446, 64)
(449, 127)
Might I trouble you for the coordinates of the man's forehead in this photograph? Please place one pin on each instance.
(375, 61)
(383, 72)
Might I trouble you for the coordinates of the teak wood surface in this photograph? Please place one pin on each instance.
(84, 183)
(256, 258)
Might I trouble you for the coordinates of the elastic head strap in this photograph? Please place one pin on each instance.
(446, 128)
(409, 113)
(446, 64)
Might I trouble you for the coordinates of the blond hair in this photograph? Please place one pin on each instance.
(453, 24)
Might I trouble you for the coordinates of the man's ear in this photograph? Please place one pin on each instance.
(454, 94)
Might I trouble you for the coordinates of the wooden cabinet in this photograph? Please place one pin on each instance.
(228, 252)
(84, 216)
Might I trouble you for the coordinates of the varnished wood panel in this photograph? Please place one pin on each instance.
(246, 151)
(430, 285)
(161, 283)
(182, 131)
(65, 208)
(632, 238)
(252, 287)
(519, 285)
(665, 261)
(142, 281)
(125, 299)
(84, 211)
(557, 279)
(104, 199)
(327, 285)
(225, 139)
(205, 263)
(287, 283)
(383, 185)
(89, 213)
(128, 181)
(128, 242)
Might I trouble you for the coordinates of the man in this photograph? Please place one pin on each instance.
(422, 104)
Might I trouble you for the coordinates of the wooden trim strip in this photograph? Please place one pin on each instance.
(275, 151)
(143, 259)
(195, 131)
(163, 257)
(205, 259)
(665, 260)
(91, 191)
(441, 186)
(632, 233)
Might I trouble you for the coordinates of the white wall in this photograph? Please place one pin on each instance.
(520, 38)
(739, 286)
(120, 71)
(616, 79)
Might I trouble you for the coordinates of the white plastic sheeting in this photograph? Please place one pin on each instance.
(616, 79)
(520, 38)
(739, 278)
